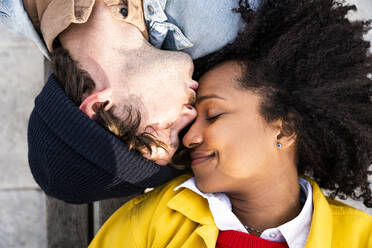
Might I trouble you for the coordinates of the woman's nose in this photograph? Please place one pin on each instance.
(193, 137)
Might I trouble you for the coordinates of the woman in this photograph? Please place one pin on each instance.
(290, 96)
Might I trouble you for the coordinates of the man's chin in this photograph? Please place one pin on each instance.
(162, 162)
(160, 156)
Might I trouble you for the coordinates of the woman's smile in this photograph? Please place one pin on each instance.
(200, 157)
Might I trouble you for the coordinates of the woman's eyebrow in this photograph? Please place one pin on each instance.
(199, 99)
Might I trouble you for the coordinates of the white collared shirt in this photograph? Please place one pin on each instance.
(294, 232)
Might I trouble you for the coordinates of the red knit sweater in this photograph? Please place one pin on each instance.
(235, 239)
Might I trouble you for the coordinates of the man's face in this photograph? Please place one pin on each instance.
(158, 83)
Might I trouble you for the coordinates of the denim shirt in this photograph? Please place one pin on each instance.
(198, 27)
(15, 18)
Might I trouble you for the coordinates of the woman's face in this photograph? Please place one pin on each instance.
(230, 140)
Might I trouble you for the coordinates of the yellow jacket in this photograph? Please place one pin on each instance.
(167, 218)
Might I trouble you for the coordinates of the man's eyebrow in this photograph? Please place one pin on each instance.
(199, 99)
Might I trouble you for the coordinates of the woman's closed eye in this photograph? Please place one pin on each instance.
(213, 117)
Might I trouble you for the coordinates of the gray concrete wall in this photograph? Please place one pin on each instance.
(22, 204)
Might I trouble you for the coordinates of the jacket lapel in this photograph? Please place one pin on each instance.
(322, 222)
(196, 208)
(209, 233)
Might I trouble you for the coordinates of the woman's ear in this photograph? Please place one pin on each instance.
(96, 101)
(287, 134)
(286, 141)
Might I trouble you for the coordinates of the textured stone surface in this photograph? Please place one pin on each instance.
(364, 8)
(22, 211)
(21, 71)
(359, 205)
(22, 218)
(12, 40)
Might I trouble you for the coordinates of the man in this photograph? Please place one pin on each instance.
(105, 65)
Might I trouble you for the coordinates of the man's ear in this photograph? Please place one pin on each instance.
(96, 101)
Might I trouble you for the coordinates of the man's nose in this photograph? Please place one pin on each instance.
(189, 113)
(193, 137)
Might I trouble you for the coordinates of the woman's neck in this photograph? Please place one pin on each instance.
(270, 206)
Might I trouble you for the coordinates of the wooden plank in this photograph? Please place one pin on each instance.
(108, 207)
(68, 225)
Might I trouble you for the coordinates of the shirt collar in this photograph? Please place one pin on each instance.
(220, 207)
(294, 232)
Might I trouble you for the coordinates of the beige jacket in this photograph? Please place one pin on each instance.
(52, 17)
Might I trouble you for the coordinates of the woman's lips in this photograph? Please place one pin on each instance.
(200, 158)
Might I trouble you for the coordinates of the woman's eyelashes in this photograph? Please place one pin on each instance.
(213, 118)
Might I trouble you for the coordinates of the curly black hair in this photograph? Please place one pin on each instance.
(312, 66)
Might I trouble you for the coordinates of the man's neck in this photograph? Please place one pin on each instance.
(102, 44)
